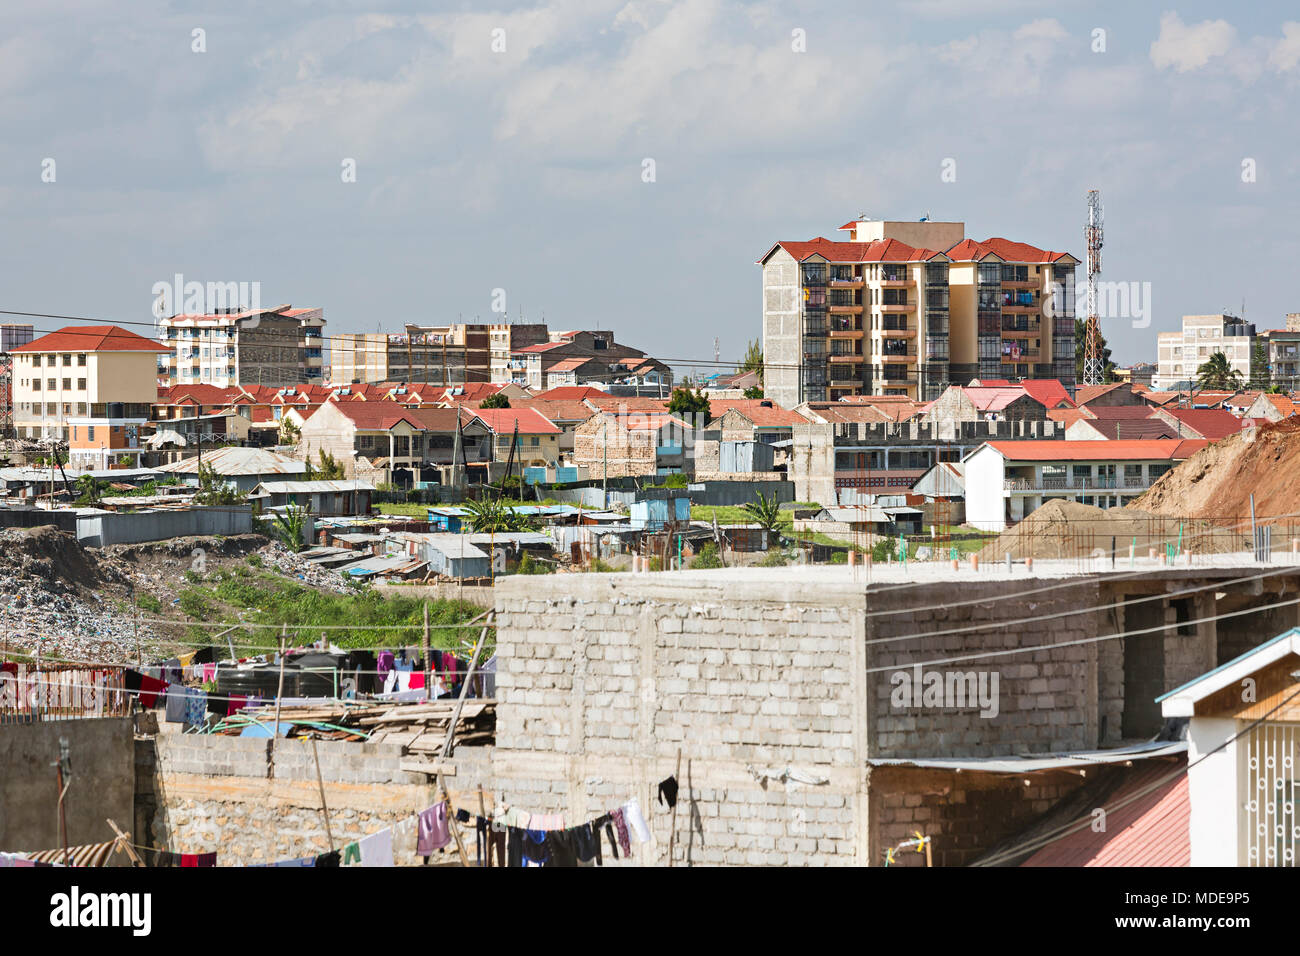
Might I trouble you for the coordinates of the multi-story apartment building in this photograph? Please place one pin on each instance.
(1282, 355)
(435, 354)
(908, 308)
(573, 358)
(280, 346)
(1180, 354)
(506, 339)
(98, 377)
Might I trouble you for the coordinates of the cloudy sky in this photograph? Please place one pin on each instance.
(525, 169)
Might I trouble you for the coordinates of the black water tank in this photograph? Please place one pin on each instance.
(318, 673)
(260, 681)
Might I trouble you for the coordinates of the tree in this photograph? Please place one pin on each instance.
(89, 489)
(1260, 377)
(495, 400)
(329, 468)
(766, 512)
(1218, 375)
(491, 515)
(289, 526)
(753, 359)
(686, 402)
(213, 489)
(289, 432)
(1081, 343)
(753, 392)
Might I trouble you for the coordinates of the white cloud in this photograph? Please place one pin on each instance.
(1189, 47)
(1048, 29)
(1285, 55)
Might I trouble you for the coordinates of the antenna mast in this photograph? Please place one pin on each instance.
(1094, 366)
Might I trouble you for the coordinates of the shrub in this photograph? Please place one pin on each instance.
(147, 602)
(882, 549)
(529, 565)
(773, 559)
(707, 557)
(255, 560)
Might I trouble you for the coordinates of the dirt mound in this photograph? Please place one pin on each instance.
(47, 555)
(1216, 483)
(1067, 529)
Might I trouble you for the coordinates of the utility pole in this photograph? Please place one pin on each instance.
(63, 767)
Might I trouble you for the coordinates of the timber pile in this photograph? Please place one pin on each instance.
(420, 727)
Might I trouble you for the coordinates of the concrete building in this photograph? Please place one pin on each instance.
(1180, 354)
(507, 338)
(612, 445)
(839, 463)
(439, 355)
(242, 468)
(1283, 357)
(280, 346)
(1006, 480)
(575, 358)
(907, 308)
(101, 376)
(535, 438)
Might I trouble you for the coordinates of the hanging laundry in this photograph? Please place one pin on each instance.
(377, 849)
(433, 832)
(620, 824)
(328, 859)
(635, 821)
(586, 841)
(196, 708)
(301, 861)
(177, 704)
(236, 703)
(561, 848)
(351, 854)
(668, 792)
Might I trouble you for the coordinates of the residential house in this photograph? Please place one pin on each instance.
(1210, 423)
(1243, 750)
(323, 497)
(242, 468)
(559, 356)
(965, 403)
(641, 443)
(535, 438)
(1006, 480)
(1271, 407)
(93, 376)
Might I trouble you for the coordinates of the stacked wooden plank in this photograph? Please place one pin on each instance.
(420, 727)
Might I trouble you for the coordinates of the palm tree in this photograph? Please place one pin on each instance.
(766, 512)
(1218, 375)
(289, 525)
(490, 515)
(89, 489)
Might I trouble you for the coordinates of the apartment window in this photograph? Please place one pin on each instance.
(81, 360)
(67, 359)
(90, 432)
(51, 360)
(67, 408)
(50, 408)
(67, 383)
(81, 384)
(535, 441)
(36, 385)
(51, 384)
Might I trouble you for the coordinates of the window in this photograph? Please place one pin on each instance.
(51, 360)
(81, 360)
(51, 384)
(67, 383)
(36, 385)
(90, 432)
(535, 441)
(81, 384)
(67, 359)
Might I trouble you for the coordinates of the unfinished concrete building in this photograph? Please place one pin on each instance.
(280, 346)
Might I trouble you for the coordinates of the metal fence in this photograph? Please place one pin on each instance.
(31, 693)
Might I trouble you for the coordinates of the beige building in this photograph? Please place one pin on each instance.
(504, 339)
(908, 308)
(280, 346)
(1180, 354)
(99, 376)
(435, 355)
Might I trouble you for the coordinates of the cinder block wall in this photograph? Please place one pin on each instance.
(212, 793)
(604, 679)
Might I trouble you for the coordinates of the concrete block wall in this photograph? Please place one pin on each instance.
(602, 681)
(213, 793)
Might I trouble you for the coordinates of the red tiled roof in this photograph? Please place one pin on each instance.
(992, 399)
(849, 413)
(1049, 391)
(636, 403)
(572, 364)
(770, 415)
(1139, 428)
(1282, 403)
(470, 391)
(574, 392)
(560, 410)
(1211, 423)
(382, 416)
(1087, 393)
(1153, 829)
(1012, 251)
(1069, 416)
(879, 250)
(1121, 450)
(540, 347)
(92, 338)
(531, 422)
(200, 393)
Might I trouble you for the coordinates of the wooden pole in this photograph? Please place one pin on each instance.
(124, 843)
(672, 832)
(279, 694)
(451, 732)
(321, 785)
(428, 684)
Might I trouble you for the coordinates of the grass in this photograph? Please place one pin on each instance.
(373, 620)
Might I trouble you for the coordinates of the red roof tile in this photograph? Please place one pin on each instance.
(531, 422)
(92, 338)
(1211, 423)
(574, 392)
(1121, 450)
(770, 415)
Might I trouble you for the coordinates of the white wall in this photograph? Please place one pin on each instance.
(1212, 789)
(985, 497)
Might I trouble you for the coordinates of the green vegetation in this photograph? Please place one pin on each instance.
(753, 359)
(495, 400)
(495, 516)
(707, 557)
(775, 558)
(529, 565)
(148, 603)
(1217, 374)
(290, 526)
(1080, 344)
(754, 392)
(766, 512)
(89, 489)
(600, 567)
(270, 600)
(213, 489)
(686, 402)
(675, 480)
(289, 432)
(327, 469)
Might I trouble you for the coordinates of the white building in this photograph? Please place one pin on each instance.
(1243, 756)
(1006, 480)
(280, 346)
(1180, 354)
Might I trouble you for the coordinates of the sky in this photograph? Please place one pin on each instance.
(622, 165)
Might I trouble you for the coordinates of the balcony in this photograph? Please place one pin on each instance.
(893, 308)
(814, 280)
(846, 333)
(1018, 284)
(1026, 355)
(896, 279)
(850, 309)
(896, 329)
(1076, 483)
(850, 358)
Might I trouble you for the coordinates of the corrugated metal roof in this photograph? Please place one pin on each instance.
(314, 486)
(1151, 830)
(1030, 763)
(233, 460)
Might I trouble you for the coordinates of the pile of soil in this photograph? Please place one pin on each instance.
(1067, 529)
(1216, 483)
